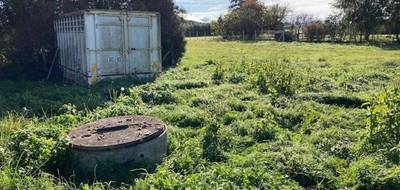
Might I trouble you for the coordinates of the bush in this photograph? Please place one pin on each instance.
(42, 148)
(278, 77)
(384, 123)
(315, 32)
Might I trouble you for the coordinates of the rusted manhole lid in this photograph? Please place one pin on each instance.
(116, 132)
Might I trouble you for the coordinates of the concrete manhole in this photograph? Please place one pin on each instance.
(120, 140)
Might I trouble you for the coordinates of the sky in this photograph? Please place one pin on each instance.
(205, 10)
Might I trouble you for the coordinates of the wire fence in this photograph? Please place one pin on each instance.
(281, 35)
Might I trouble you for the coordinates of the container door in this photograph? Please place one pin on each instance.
(110, 45)
(138, 60)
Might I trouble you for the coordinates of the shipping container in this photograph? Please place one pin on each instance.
(101, 44)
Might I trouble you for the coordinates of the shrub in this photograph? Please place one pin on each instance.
(40, 148)
(384, 123)
(315, 32)
(278, 77)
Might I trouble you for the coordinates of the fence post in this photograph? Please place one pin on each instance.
(255, 35)
(243, 35)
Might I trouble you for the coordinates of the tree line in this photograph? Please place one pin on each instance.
(27, 37)
(248, 16)
(353, 18)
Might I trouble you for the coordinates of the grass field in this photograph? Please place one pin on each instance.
(241, 115)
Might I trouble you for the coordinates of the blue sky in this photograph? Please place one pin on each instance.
(212, 9)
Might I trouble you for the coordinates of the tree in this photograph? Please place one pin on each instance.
(335, 27)
(315, 31)
(235, 4)
(300, 21)
(29, 48)
(275, 15)
(252, 16)
(217, 27)
(394, 17)
(365, 14)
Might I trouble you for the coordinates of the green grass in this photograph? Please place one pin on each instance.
(241, 115)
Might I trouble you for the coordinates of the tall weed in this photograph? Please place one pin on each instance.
(384, 123)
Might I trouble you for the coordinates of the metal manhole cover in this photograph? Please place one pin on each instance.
(116, 132)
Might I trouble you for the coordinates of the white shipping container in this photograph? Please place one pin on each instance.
(102, 44)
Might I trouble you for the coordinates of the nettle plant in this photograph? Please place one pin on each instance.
(384, 123)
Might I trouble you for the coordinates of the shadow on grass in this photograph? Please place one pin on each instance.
(335, 100)
(38, 98)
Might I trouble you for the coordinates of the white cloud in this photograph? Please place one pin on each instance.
(212, 9)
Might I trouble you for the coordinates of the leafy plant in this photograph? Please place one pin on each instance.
(384, 123)
(279, 77)
(218, 76)
(42, 148)
(212, 150)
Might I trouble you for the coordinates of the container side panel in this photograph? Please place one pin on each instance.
(155, 45)
(139, 45)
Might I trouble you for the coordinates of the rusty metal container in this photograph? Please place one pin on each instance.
(102, 44)
(119, 140)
